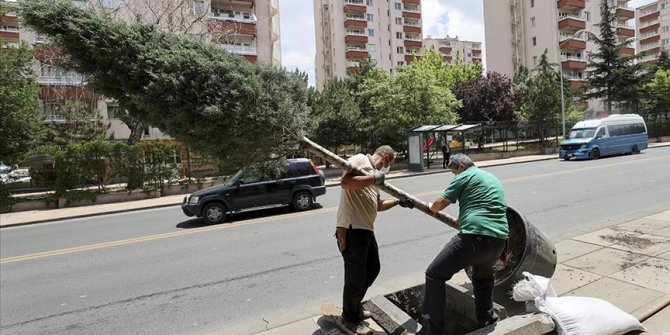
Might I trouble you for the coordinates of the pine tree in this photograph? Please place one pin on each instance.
(613, 77)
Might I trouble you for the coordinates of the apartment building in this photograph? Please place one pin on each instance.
(653, 30)
(517, 32)
(246, 27)
(452, 48)
(348, 31)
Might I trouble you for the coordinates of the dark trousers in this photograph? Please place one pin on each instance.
(445, 159)
(361, 267)
(480, 252)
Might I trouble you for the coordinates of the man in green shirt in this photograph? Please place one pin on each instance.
(483, 231)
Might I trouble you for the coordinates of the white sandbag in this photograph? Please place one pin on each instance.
(532, 287)
(587, 316)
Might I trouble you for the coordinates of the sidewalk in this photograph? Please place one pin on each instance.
(627, 265)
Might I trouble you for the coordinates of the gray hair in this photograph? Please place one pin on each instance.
(386, 150)
(460, 159)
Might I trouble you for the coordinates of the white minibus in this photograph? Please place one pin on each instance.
(614, 135)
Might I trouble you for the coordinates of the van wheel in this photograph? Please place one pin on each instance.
(596, 153)
(302, 201)
(635, 150)
(215, 213)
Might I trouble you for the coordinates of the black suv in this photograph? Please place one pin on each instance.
(296, 184)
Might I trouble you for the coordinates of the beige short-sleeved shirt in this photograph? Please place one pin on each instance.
(358, 208)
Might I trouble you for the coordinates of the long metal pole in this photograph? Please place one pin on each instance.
(386, 187)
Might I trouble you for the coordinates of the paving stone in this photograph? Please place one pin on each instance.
(646, 244)
(665, 255)
(599, 237)
(654, 273)
(606, 261)
(658, 323)
(567, 278)
(664, 216)
(626, 296)
(643, 225)
(569, 249)
(663, 232)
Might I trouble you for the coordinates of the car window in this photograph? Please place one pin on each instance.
(253, 176)
(302, 169)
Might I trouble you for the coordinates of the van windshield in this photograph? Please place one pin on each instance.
(582, 133)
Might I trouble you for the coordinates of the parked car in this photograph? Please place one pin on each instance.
(297, 183)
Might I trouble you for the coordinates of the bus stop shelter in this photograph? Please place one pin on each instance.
(424, 139)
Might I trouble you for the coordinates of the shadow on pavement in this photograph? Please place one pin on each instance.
(244, 216)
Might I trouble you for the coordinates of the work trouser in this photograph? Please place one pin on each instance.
(478, 251)
(361, 267)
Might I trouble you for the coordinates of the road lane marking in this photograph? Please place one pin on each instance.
(273, 218)
(65, 251)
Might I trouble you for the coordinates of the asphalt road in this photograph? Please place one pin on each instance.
(158, 272)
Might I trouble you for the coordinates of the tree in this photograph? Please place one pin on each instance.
(336, 114)
(414, 95)
(214, 101)
(20, 119)
(540, 102)
(613, 77)
(658, 93)
(490, 98)
(663, 61)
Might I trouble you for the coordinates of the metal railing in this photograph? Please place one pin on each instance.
(239, 49)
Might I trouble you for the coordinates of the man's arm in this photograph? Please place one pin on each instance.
(355, 182)
(439, 204)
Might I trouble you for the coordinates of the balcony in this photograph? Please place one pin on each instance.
(651, 27)
(627, 51)
(413, 44)
(412, 2)
(354, 7)
(649, 17)
(571, 22)
(625, 31)
(411, 13)
(573, 63)
(445, 50)
(411, 29)
(232, 27)
(625, 12)
(355, 38)
(447, 58)
(239, 49)
(355, 22)
(576, 84)
(352, 69)
(476, 53)
(410, 58)
(651, 39)
(245, 17)
(356, 53)
(251, 58)
(9, 35)
(61, 79)
(572, 4)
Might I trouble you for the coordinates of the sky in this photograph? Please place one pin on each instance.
(464, 19)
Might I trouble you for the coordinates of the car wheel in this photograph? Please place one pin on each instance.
(635, 150)
(302, 201)
(215, 213)
(596, 153)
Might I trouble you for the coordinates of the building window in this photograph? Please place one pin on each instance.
(534, 40)
(146, 131)
(664, 5)
(371, 47)
(110, 3)
(398, 35)
(532, 3)
(532, 21)
(196, 7)
(534, 60)
(665, 41)
(398, 6)
(371, 32)
(112, 111)
(665, 29)
(368, 2)
(401, 63)
(370, 17)
(587, 16)
(398, 20)
(400, 50)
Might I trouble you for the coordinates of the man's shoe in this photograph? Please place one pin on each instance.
(363, 314)
(359, 328)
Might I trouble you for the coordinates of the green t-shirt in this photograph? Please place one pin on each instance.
(481, 201)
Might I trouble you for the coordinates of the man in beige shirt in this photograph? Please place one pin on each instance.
(359, 203)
